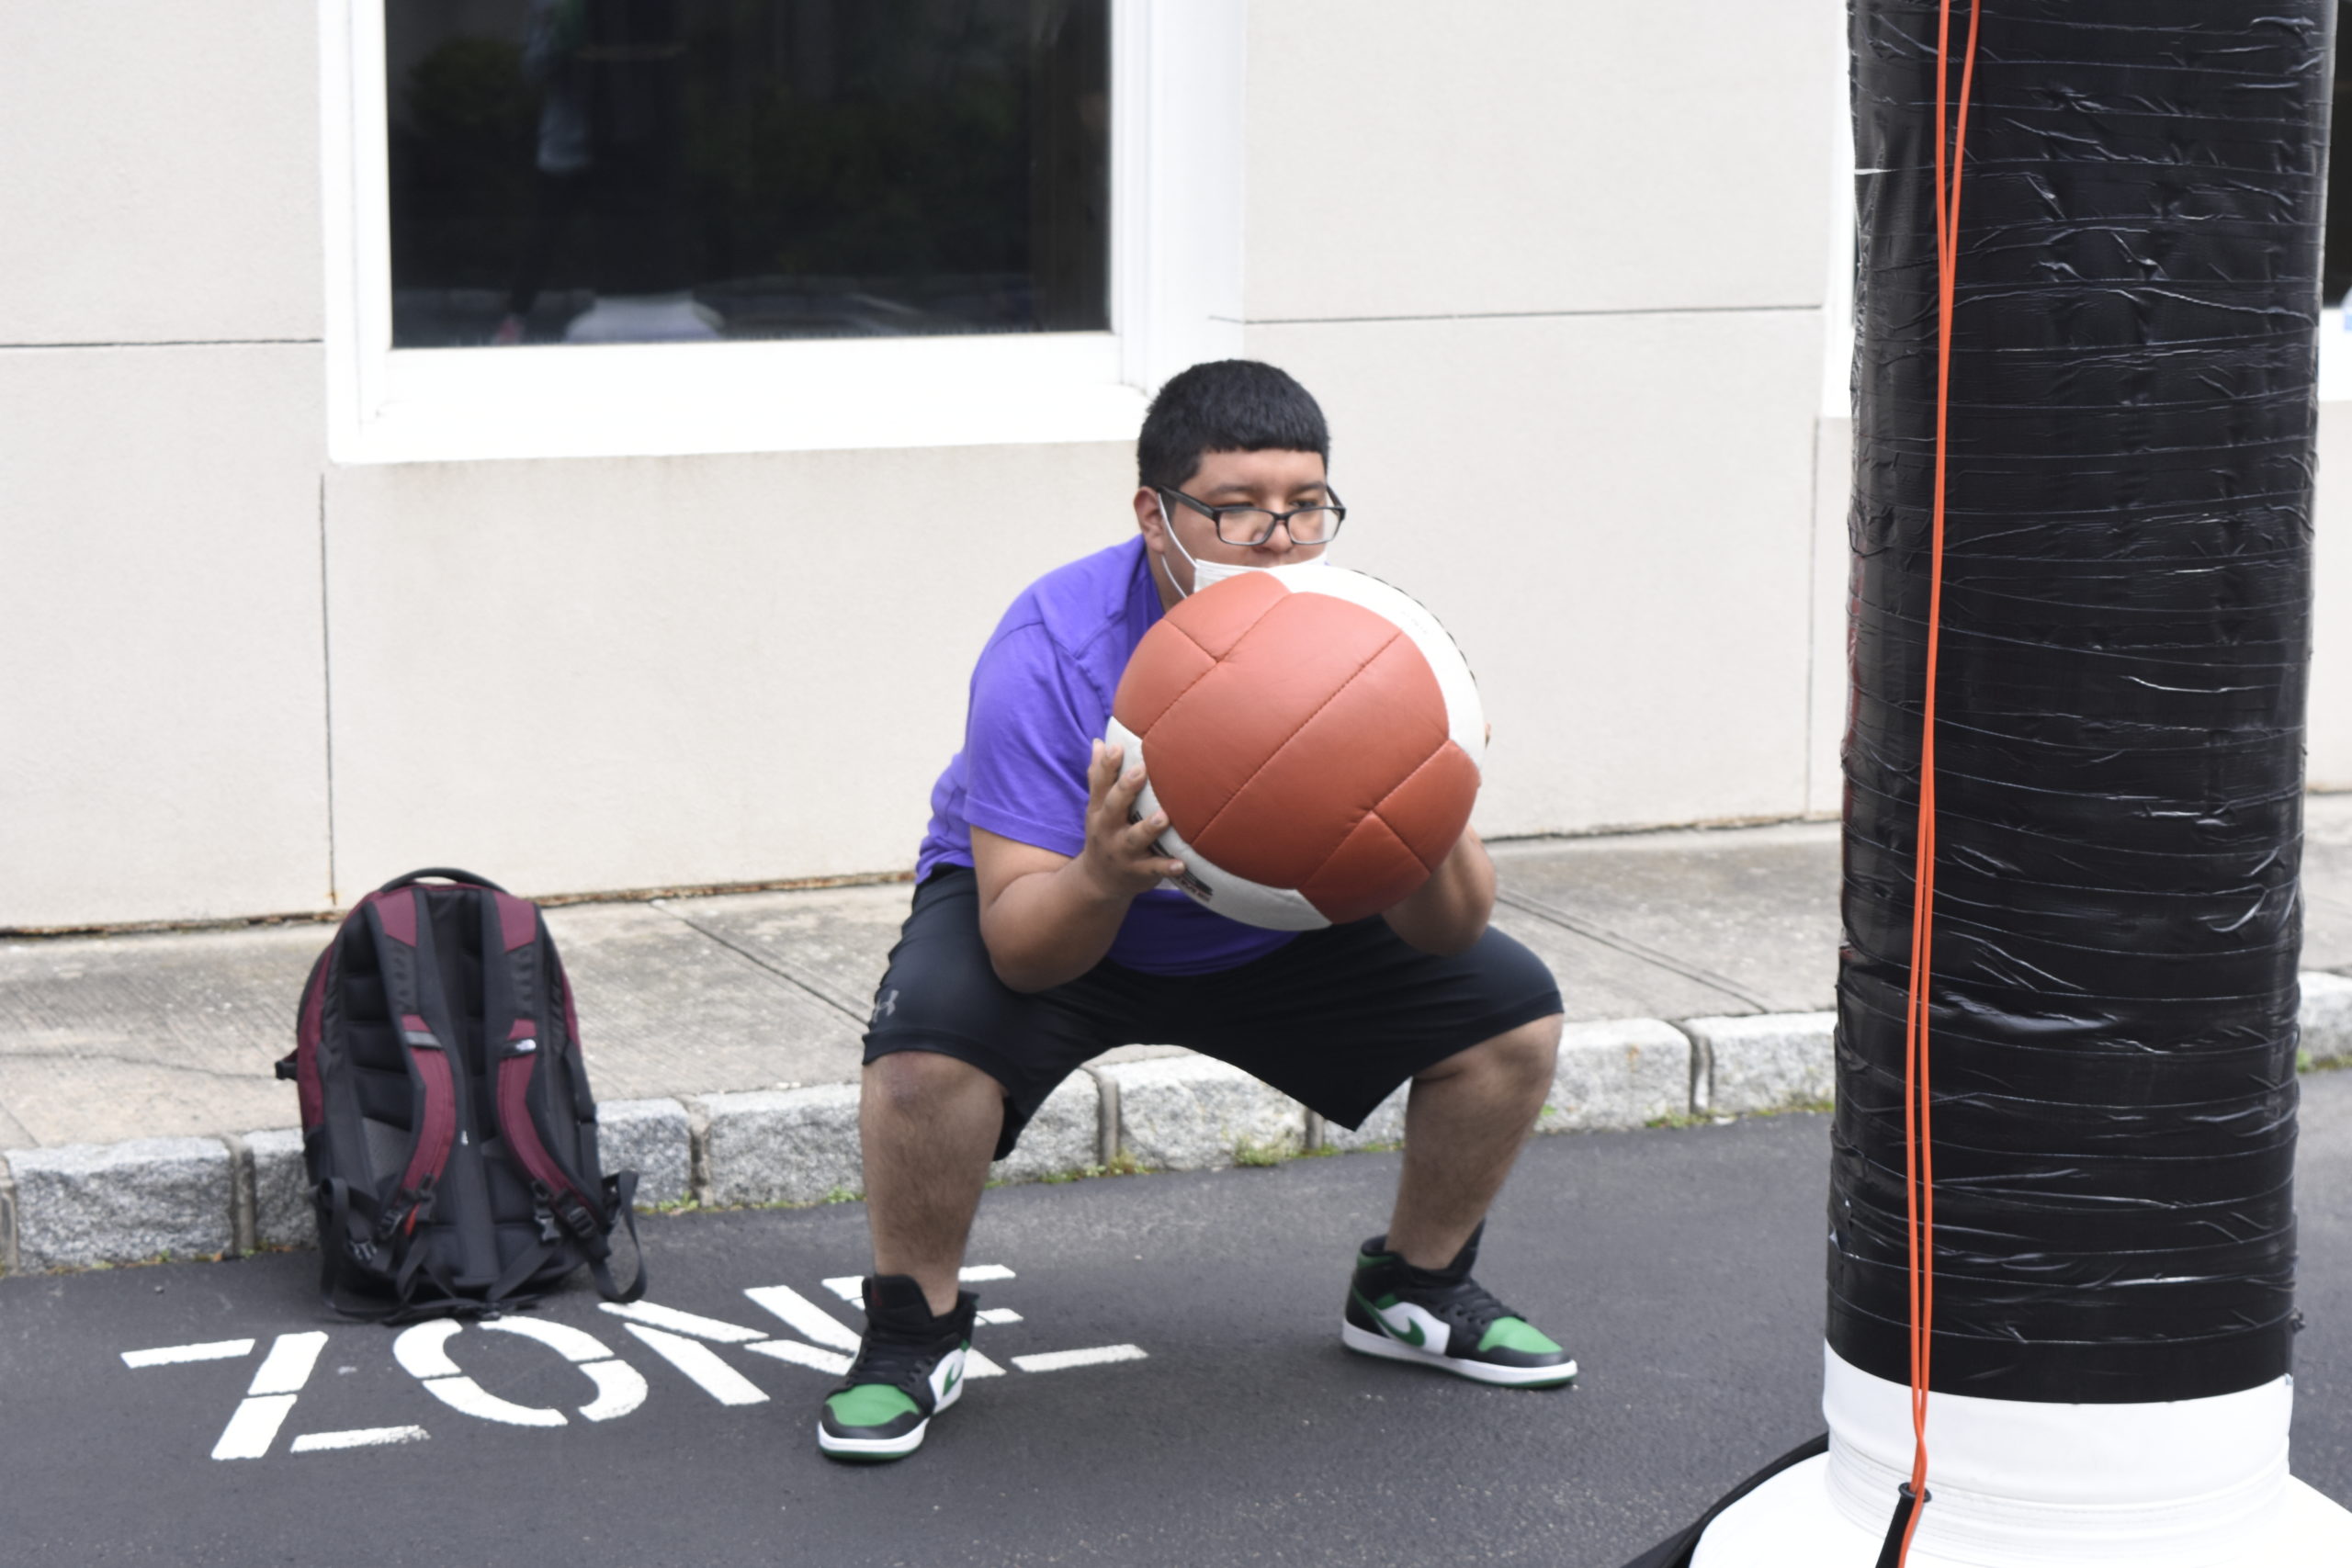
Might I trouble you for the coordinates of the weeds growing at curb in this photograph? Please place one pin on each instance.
(1123, 1163)
(149, 1262)
(691, 1205)
(1676, 1120)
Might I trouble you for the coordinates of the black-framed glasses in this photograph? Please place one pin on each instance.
(1313, 524)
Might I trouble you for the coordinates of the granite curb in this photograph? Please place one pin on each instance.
(96, 1205)
(81, 1204)
(1752, 1062)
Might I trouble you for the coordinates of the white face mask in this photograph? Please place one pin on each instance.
(1208, 573)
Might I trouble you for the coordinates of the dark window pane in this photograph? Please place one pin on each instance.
(641, 170)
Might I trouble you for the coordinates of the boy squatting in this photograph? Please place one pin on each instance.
(1041, 935)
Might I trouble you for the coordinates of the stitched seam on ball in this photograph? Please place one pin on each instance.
(1384, 799)
(1372, 816)
(1268, 761)
(1170, 705)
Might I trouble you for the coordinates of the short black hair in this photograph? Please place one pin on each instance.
(1226, 405)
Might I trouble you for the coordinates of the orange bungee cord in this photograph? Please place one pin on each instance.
(1918, 1154)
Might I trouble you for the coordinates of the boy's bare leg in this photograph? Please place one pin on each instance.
(1464, 1124)
(928, 1125)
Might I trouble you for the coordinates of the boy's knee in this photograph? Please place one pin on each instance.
(1521, 1058)
(913, 1085)
(1530, 1051)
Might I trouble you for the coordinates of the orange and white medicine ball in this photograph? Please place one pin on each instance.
(1314, 737)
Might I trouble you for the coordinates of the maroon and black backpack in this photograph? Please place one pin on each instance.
(447, 1123)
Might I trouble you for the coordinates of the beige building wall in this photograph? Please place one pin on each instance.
(163, 720)
(660, 671)
(1610, 512)
(1566, 316)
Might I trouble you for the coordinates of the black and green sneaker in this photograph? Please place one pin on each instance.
(909, 1367)
(1445, 1318)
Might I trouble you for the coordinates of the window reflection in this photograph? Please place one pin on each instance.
(587, 170)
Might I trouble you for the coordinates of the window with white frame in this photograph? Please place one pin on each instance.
(618, 226)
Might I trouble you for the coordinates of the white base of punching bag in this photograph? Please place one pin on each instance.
(2188, 1483)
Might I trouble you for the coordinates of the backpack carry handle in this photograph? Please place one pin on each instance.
(448, 872)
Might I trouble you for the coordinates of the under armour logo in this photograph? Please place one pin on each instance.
(885, 1006)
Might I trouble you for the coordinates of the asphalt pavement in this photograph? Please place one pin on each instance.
(1173, 1390)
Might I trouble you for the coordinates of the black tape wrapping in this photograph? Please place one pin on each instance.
(2125, 635)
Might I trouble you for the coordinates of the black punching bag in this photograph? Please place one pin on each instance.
(2124, 637)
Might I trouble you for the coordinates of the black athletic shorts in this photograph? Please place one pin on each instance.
(1335, 1018)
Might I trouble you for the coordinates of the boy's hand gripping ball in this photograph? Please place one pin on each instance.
(1314, 737)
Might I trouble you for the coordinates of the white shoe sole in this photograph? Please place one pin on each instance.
(869, 1448)
(1366, 1342)
(883, 1447)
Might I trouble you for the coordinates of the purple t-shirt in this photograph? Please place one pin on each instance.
(1041, 696)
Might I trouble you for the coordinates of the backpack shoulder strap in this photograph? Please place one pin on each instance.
(367, 1226)
(520, 984)
(428, 1038)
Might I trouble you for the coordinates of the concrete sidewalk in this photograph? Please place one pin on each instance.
(695, 1010)
(108, 1038)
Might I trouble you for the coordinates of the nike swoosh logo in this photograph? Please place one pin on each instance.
(949, 1387)
(1411, 1334)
